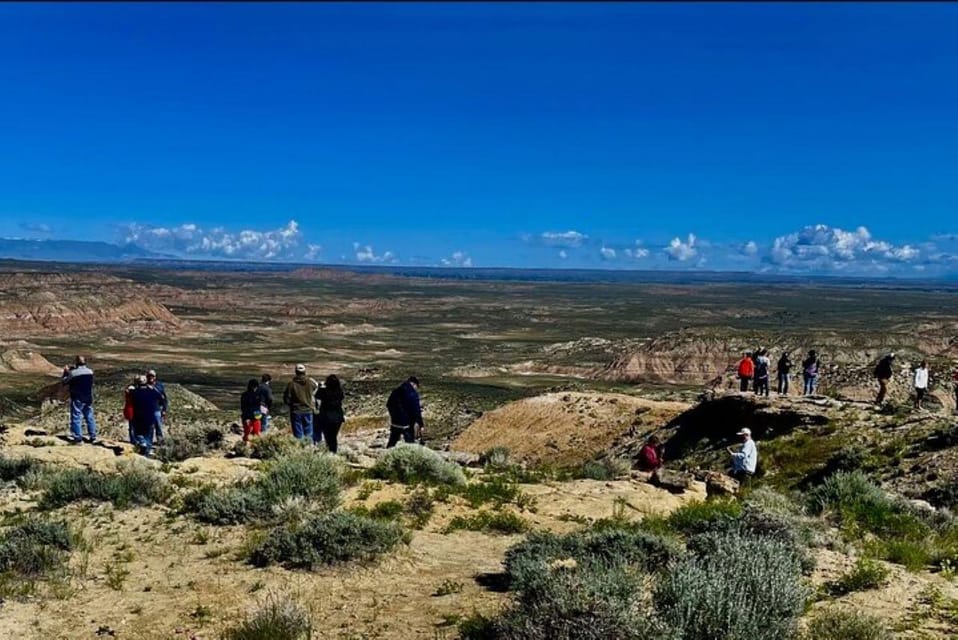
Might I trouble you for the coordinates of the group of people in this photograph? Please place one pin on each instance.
(144, 407)
(885, 370)
(316, 410)
(754, 370)
(744, 459)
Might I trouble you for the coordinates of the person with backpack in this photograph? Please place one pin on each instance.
(299, 396)
(883, 373)
(762, 364)
(265, 392)
(128, 406)
(405, 413)
(746, 369)
(250, 410)
(784, 370)
(921, 384)
(810, 373)
(329, 417)
(79, 378)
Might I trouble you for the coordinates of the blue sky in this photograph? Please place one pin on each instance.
(703, 136)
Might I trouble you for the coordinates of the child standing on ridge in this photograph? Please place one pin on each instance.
(250, 410)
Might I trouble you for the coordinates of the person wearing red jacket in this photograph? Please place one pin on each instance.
(128, 405)
(746, 369)
(650, 456)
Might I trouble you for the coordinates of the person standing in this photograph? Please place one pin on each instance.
(250, 410)
(810, 373)
(405, 412)
(128, 406)
(265, 391)
(784, 368)
(299, 396)
(146, 402)
(762, 365)
(745, 460)
(921, 384)
(746, 369)
(330, 416)
(79, 378)
(161, 409)
(954, 381)
(884, 373)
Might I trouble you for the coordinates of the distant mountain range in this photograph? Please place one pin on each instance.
(72, 251)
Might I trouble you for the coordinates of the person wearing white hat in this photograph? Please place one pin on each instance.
(745, 460)
(299, 396)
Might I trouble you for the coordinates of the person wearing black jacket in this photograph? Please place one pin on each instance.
(251, 410)
(784, 373)
(405, 412)
(884, 373)
(329, 418)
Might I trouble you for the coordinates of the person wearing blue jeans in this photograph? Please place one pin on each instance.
(164, 404)
(79, 378)
(300, 397)
(146, 401)
(810, 372)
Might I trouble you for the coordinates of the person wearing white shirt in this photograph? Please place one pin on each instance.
(921, 383)
(745, 460)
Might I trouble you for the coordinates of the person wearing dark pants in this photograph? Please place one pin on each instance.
(884, 371)
(746, 369)
(330, 417)
(784, 373)
(405, 413)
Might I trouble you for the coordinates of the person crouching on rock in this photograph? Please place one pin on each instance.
(250, 412)
(299, 396)
(146, 402)
(746, 369)
(405, 412)
(650, 456)
(745, 460)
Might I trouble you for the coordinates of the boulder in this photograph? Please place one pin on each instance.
(719, 484)
(677, 481)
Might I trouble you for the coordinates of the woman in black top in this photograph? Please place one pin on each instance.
(330, 417)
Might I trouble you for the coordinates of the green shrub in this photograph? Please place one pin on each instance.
(190, 441)
(35, 547)
(505, 522)
(714, 514)
(605, 469)
(496, 459)
(835, 624)
(274, 445)
(133, 484)
(13, 469)
(495, 490)
(388, 510)
(278, 619)
(326, 539)
(739, 588)
(866, 574)
(311, 476)
(532, 559)
(420, 506)
(413, 464)
(588, 602)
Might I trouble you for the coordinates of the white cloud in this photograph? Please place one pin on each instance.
(38, 228)
(820, 247)
(637, 253)
(607, 253)
(564, 239)
(563, 254)
(682, 251)
(313, 251)
(457, 259)
(750, 248)
(193, 240)
(366, 254)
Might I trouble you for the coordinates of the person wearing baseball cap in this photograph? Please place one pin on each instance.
(299, 397)
(745, 460)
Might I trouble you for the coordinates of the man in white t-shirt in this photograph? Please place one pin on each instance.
(921, 383)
